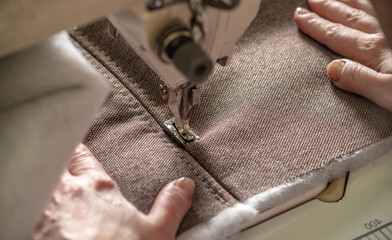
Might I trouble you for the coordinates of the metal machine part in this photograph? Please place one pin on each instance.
(171, 129)
(183, 48)
(191, 35)
(176, 45)
(158, 4)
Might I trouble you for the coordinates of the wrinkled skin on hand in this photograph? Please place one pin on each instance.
(350, 28)
(87, 204)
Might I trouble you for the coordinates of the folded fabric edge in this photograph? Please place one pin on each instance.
(286, 196)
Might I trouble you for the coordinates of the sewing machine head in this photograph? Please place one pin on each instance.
(181, 40)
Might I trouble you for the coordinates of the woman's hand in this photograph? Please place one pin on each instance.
(87, 204)
(349, 28)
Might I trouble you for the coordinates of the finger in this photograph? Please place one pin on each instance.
(83, 161)
(346, 41)
(356, 78)
(339, 12)
(171, 205)
(363, 5)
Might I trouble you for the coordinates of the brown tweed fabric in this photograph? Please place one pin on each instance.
(268, 117)
(141, 158)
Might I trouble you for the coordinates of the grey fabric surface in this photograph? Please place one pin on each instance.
(268, 117)
(49, 94)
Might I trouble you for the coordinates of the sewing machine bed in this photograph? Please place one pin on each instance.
(269, 117)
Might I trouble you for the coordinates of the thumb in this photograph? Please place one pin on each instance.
(171, 205)
(356, 78)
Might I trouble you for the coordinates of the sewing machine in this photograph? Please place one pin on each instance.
(180, 40)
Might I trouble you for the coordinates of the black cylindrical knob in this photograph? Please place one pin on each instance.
(191, 60)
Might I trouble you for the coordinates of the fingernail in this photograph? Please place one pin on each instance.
(300, 10)
(104, 183)
(186, 184)
(335, 69)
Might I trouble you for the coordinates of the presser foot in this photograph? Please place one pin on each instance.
(178, 127)
(180, 138)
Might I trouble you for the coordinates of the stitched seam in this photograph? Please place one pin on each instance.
(204, 180)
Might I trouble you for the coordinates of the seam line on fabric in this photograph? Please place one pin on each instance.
(213, 191)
